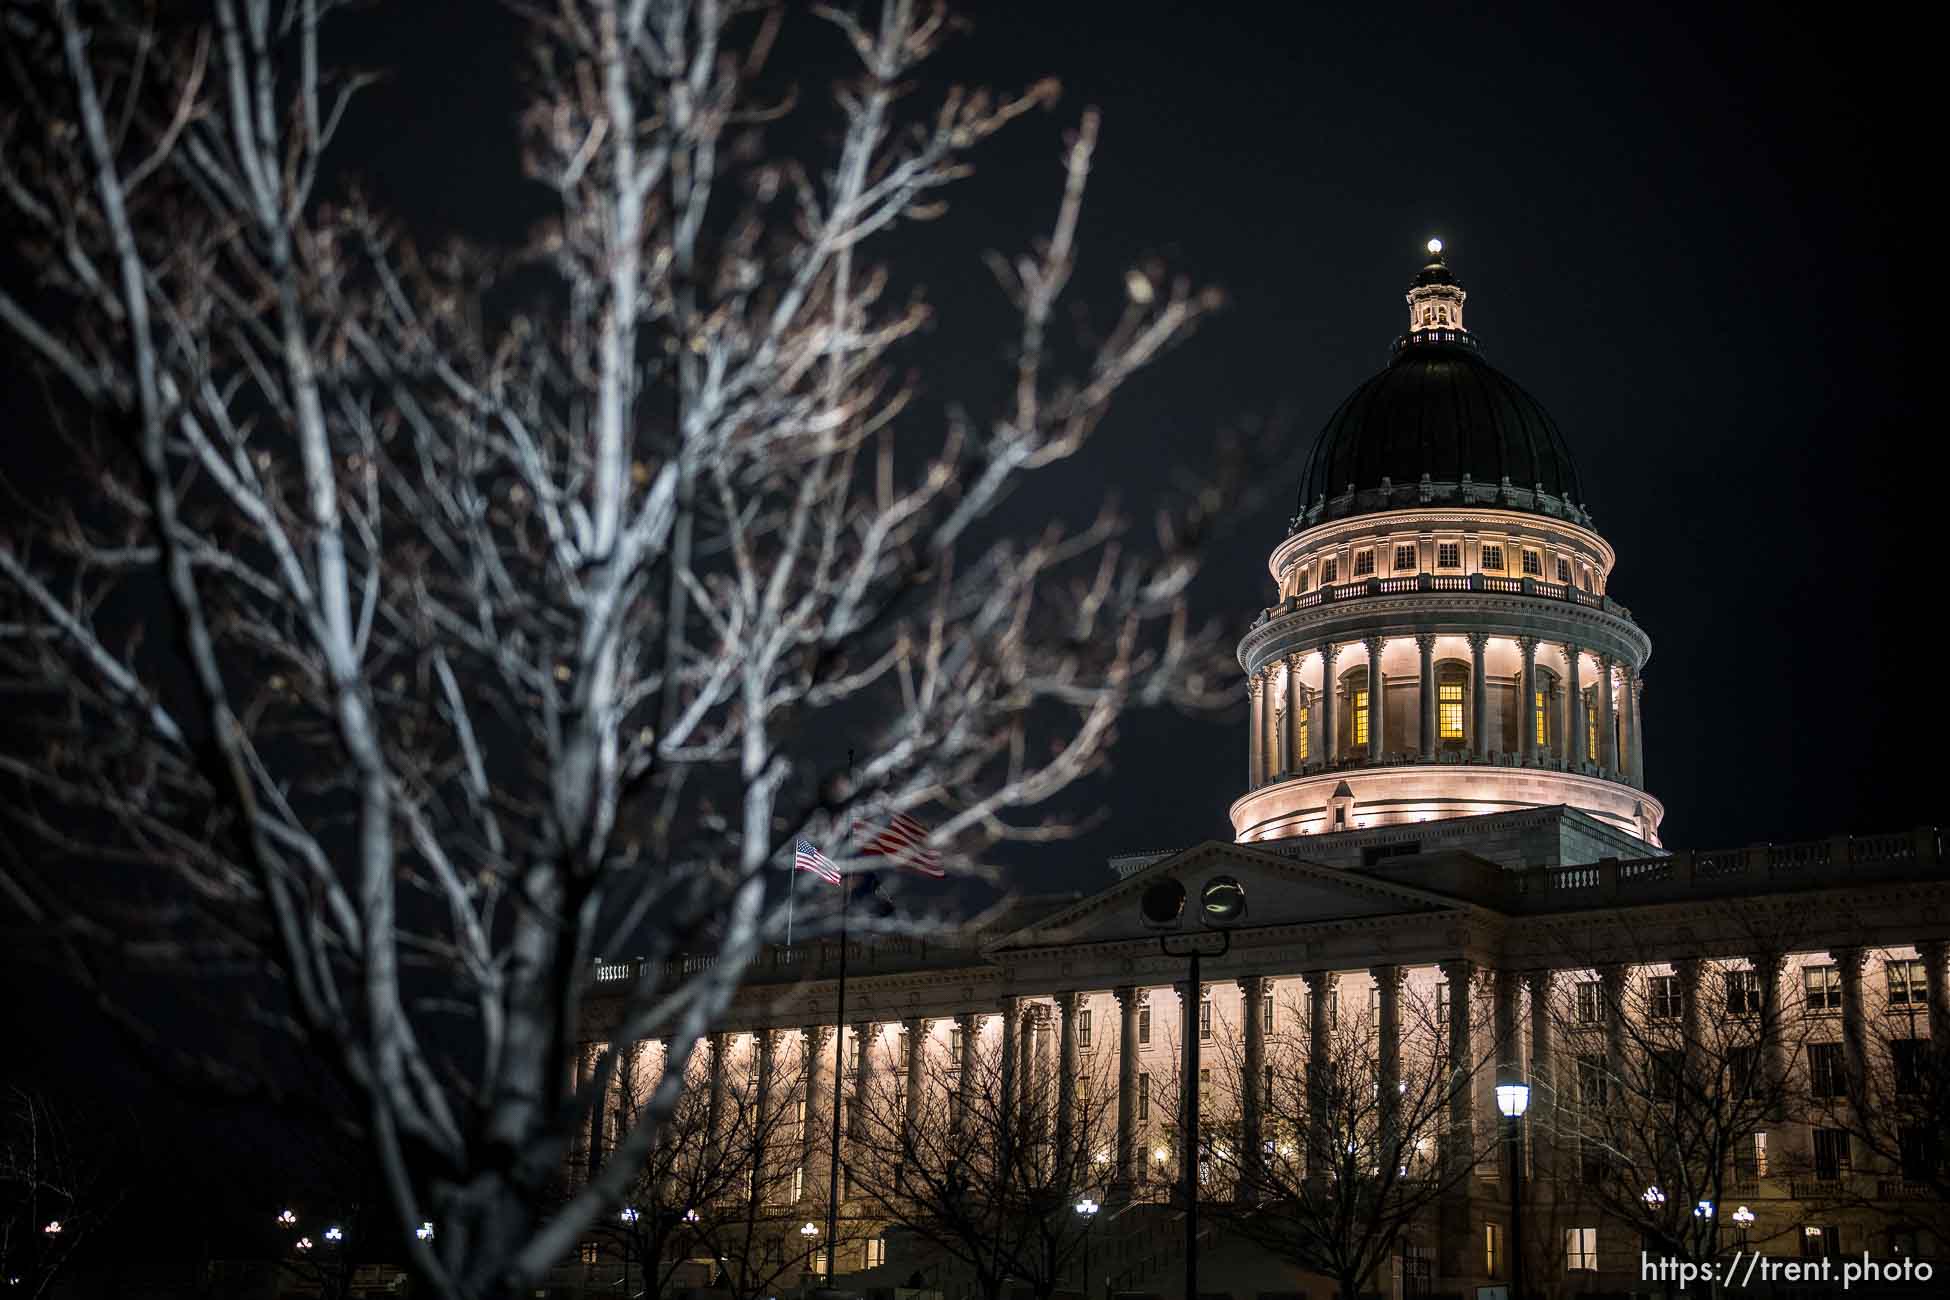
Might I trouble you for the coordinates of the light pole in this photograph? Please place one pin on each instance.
(1088, 1209)
(811, 1233)
(629, 1216)
(1221, 905)
(1513, 1099)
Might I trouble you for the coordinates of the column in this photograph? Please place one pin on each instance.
(818, 1088)
(1011, 1009)
(1330, 740)
(969, 1025)
(1773, 1061)
(1509, 1051)
(714, 1106)
(1127, 1077)
(1295, 693)
(1426, 644)
(1388, 1053)
(1479, 699)
(1611, 981)
(1543, 1074)
(761, 1111)
(1255, 758)
(1252, 991)
(1687, 969)
(1527, 702)
(1188, 1058)
(856, 1106)
(1574, 706)
(1932, 952)
(1459, 1139)
(1320, 1046)
(1269, 737)
(1635, 752)
(1848, 962)
(1033, 1078)
(587, 1147)
(1607, 729)
(1377, 691)
(1066, 1072)
(917, 1041)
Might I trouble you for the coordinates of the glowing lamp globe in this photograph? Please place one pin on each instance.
(1512, 1099)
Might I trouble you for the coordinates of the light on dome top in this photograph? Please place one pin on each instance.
(1435, 245)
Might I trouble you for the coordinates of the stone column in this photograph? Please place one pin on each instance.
(1509, 1052)
(1543, 1075)
(1377, 691)
(1388, 1050)
(1330, 739)
(1607, 724)
(1269, 739)
(1011, 1010)
(1635, 752)
(1320, 1047)
(1773, 1062)
(1459, 1140)
(1574, 706)
(1127, 1079)
(762, 1111)
(818, 1088)
(1687, 969)
(1255, 757)
(917, 1041)
(1295, 693)
(1066, 1072)
(1479, 699)
(970, 1025)
(1034, 1078)
(863, 1034)
(1426, 644)
(1932, 952)
(1252, 989)
(714, 1106)
(1855, 1054)
(1527, 704)
(1611, 983)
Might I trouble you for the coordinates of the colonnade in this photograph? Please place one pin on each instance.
(1276, 752)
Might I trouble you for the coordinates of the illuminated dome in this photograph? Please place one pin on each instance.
(1439, 425)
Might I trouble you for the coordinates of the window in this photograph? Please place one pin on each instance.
(1492, 559)
(1442, 1005)
(1908, 986)
(1743, 1071)
(1205, 1018)
(1144, 1024)
(1405, 559)
(1823, 985)
(1590, 999)
(1448, 555)
(1303, 718)
(1563, 570)
(1906, 1064)
(1827, 1075)
(900, 1061)
(1831, 1153)
(1330, 570)
(876, 1251)
(1363, 564)
(1584, 579)
(1591, 724)
(1144, 1096)
(1449, 710)
(1205, 1083)
(1668, 1074)
(818, 1264)
(1493, 1249)
(1750, 1158)
(1533, 564)
(1083, 1029)
(798, 1182)
(1541, 707)
(1581, 1250)
(954, 1044)
(1922, 1153)
(1266, 1012)
(591, 1253)
(1591, 1080)
(1743, 992)
(1301, 589)
(1360, 713)
(1819, 1239)
(1662, 997)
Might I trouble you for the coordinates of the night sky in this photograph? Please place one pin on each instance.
(1687, 234)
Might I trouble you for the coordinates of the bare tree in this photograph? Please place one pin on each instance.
(62, 1175)
(499, 629)
(980, 1160)
(1349, 1167)
(1665, 1074)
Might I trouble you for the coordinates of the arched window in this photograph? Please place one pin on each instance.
(1354, 687)
(1303, 718)
(1451, 682)
(1540, 707)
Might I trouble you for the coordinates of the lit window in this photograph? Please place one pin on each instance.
(1908, 985)
(1448, 555)
(1823, 985)
(1305, 721)
(1449, 714)
(1533, 564)
(1404, 559)
(1361, 716)
(1563, 570)
(1330, 570)
(1083, 1029)
(799, 1182)
(1492, 559)
(1144, 1096)
(1542, 711)
(1493, 1249)
(1363, 563)
(1591, 724)
(876, 1251)
(1144, 1024)
(591, 1253)
(1581, 1250)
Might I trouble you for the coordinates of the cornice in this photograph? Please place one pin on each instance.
(1453, 613)
(1420, 519)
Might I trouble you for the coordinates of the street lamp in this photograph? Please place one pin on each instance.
(810, 1231)
(287, 1220)
(1513, 1099)
(629, 1216)
(1088, 1209)
(425, 1231)
(1221, 905)
(334, 1233)
(304, 1243)
(53, 1228)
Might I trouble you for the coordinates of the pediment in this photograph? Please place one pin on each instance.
(1280, 891)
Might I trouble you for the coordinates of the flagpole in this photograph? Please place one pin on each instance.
(839, 1054)
(791, 895)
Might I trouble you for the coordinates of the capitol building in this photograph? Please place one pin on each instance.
(1446, 877)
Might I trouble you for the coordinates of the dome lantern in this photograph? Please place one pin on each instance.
(1435, 300)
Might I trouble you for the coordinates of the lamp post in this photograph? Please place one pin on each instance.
(630, 1215)
(1221, 905)
(1088, 1209)
(811, 1233)
(1513, 1099)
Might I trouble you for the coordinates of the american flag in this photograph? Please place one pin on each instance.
(807, 858)
(906, 841)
